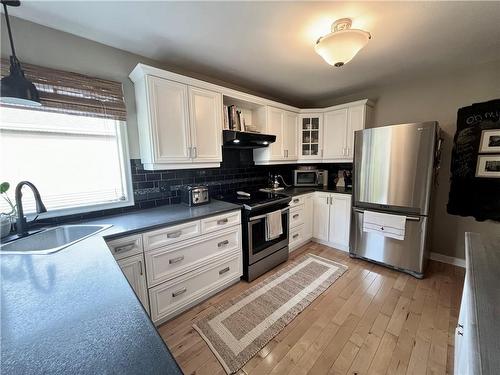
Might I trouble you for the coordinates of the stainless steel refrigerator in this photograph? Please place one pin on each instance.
(394, 168)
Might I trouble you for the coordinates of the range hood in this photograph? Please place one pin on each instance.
(236, 139)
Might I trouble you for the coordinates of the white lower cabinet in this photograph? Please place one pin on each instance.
(173, 268)
(172, 297)
(332, 219)
(321, 216)
(300, 226)
(134, 270)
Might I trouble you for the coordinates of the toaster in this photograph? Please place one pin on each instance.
(194, 195)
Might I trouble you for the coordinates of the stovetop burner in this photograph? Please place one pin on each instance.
(254, 199)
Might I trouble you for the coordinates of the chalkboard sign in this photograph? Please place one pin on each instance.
(470, 195)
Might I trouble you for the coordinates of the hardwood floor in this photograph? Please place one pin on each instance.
(372, 320)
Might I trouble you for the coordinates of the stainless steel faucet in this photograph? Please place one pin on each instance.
(21, 223)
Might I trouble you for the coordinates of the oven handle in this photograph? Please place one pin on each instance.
(411, 218)
(262, 216)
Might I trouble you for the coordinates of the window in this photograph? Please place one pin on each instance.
(75, 154)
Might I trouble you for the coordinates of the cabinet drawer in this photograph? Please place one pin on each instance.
(172, 261)
(297, 201)
(173, 234)
(172, 297)
(126, 246)
(297, 216)
(297, 236)
(211, 224)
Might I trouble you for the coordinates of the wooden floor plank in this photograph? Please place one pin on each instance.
(372, 320)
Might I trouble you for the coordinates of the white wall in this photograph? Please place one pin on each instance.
(438, 98)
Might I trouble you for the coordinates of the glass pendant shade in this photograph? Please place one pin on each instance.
(340, 47)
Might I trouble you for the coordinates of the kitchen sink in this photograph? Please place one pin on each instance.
(51, 240)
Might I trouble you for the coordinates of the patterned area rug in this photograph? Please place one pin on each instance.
(238, 329)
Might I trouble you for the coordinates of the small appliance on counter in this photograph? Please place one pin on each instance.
(195, 195)
(343, 179)
(310, 176)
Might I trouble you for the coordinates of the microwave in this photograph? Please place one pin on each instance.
(310, 177)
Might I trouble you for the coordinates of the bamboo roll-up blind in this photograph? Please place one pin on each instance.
(73, 93)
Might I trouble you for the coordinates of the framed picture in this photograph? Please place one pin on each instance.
(488, 166)
(490, 141)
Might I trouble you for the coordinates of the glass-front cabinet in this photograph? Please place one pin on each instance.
(310, 136)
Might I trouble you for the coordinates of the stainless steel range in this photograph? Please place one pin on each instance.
(261, 255)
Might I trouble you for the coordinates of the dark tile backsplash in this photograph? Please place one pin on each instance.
(158, 188)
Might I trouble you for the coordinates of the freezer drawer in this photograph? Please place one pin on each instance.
(409, 255)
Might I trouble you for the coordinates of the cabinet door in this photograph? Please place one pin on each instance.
(290, 131)
(334, 134)
(310, 137)
(205, 113)
(275, 118)
(133, 269)
(356, 121)
(340, 220)
(168, 105)
(308, 216)
(321, 213)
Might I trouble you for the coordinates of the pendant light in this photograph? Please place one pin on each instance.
(16, 88)
(342, 44)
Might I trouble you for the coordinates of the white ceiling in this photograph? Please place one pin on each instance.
(268, 46)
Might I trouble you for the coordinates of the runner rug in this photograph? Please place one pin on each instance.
(238, 329)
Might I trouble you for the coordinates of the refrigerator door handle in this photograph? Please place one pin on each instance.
(411, 218)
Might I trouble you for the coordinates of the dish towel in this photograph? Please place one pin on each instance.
(387, 225)
(274, 229)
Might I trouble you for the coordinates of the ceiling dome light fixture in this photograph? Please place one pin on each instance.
(342, 44)
(16, 88)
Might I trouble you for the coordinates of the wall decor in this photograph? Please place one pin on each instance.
(490, 141)
(475, 182)
(488, 166)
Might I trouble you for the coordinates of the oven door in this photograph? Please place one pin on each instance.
(306, 178)
(258, 247)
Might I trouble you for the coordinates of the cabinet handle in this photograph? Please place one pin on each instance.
(195, 152)
(296, 200)
(222, 221)
(295, 236)
(174, 234)
(295, 216)
(223, 271)
(140, 266)
(190, 153)
(176, 260)
(179, 292)
(223, 243)
(127, 247)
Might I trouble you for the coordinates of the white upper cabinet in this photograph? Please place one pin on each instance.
(359, 118)
(310, 136)
(335, 131)
(168, 122)
(275, 118)
(180, 126)
(339, 126)
(205, 116)
(290, 140)
(282, 124)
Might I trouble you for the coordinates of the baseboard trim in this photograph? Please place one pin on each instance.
(336, 246)
(447, 259)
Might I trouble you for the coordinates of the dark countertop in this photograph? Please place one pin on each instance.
(74, 312)
(483, 285)
(294, 191)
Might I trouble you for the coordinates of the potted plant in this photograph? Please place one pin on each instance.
(5, 217)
